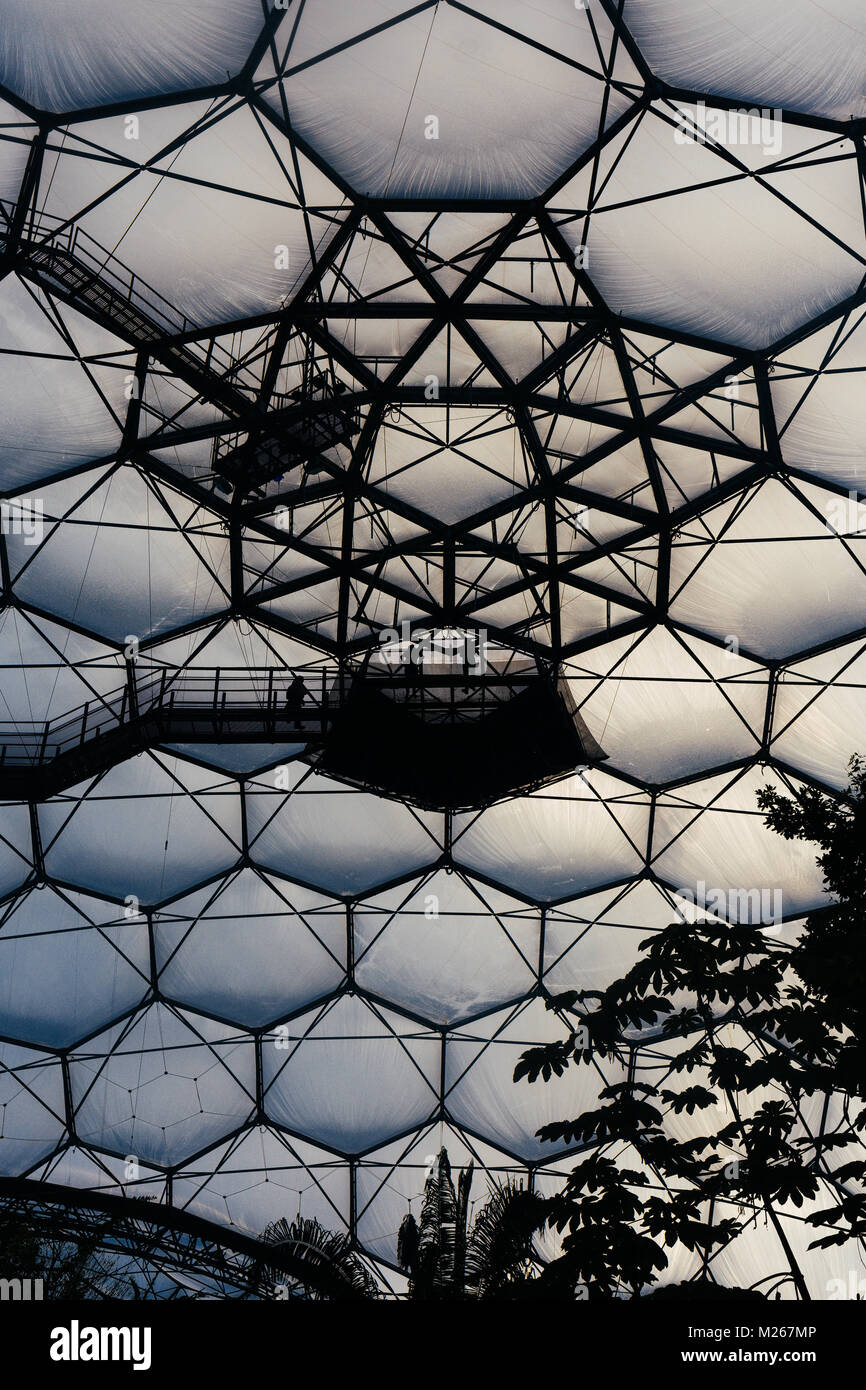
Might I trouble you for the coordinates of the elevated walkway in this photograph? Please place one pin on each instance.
(446, 739)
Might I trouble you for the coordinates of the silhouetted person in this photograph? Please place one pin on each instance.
(295, 699)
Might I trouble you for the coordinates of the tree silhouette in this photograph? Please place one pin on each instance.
(447, 1259)
(830, 956)
(69, 1268)
(333, 1268)
(800, 1013)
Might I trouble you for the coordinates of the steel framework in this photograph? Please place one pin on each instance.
(290, 462)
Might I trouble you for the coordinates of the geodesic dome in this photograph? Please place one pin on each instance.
(542, 322)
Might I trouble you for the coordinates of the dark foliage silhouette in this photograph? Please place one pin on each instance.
(448, 1258)
(334, 1269)
(69, 1269)
(754, 1025)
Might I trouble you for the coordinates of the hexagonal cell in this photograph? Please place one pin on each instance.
(711, 832)
(440, 949)
(261, 1176)
(595, 940)
(536, 445)
(583, 831)
(515, 134)
(390, 1181)
(479, 1068)
(338, 839)
(349, 1042)
(176, 51)
(152, 827)
(32, 1106)
(250, 948)
(710, 702)
(162, 1085)
(69, 964)
(746, 572)
(128, 1176)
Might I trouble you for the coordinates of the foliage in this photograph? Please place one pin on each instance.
(330, 1267)
(753, 1026)
(447, 1259)
(830, 958)
(70, 1269)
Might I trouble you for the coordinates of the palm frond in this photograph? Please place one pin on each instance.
(331, 1265)
(501, 1244)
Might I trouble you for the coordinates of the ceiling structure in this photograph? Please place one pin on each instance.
(326, 319)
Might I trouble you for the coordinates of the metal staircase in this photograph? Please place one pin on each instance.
(63, 259)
